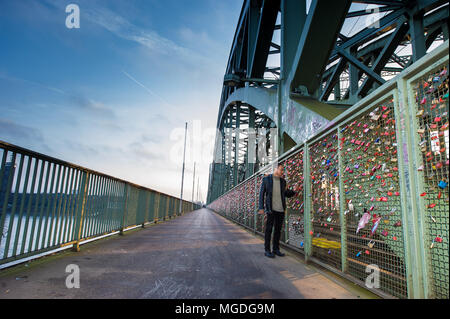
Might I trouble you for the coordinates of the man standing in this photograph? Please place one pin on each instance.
(272, 201)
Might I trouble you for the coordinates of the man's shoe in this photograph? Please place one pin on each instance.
(278, 253)
(269, 254)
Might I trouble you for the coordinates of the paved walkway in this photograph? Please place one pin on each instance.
(198, 255)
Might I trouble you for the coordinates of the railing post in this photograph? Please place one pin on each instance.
(147, 199)
(166, 213)
(156, 214)
(286, 225)
(81, 207)
(342, 214)
(239, 206)
(125, 210)
(416, 270)
(255, 215)
(9, 184)
(307, 200)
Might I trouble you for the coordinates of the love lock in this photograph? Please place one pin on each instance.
(371, 244)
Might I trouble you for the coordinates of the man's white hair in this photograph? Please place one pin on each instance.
(275, 165)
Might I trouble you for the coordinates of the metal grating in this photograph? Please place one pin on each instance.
(372, 198)
(260, 219)
(295, 205)
(365, 172)
(326, 229)
(431, 95)
(251, 204)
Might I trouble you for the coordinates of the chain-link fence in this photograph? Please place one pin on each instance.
(372, 188)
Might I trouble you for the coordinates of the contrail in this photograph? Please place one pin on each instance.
(146, 88)
(10, 78)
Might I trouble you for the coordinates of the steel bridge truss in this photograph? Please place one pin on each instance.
(288, 60)
(246, 141)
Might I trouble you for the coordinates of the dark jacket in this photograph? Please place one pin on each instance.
(266, 191)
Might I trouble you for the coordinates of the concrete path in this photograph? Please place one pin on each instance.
(198, 255)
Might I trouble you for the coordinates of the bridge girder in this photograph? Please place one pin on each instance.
(321, 70)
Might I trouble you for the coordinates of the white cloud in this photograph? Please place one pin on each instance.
(150, 39)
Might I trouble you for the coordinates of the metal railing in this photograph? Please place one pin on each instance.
(373, 187)
(46, 204)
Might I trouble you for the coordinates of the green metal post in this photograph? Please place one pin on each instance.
(43, 201)
(342, 214)
(156, 214)
(125, 209)
(27, 221)
(58, 222)
(147, 199)
(7, 194)
(104, 195)
(90, 189)
(236, 146)
(87, 210)
(66, 204)
(286, 225)
(55, 199)
(116, 205)
(72, 205)
(80, 209)
(11, 217)
(22, 203)
(307, 200)
(416, 270)
(166, 213)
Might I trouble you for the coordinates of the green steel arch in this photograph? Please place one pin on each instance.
(320, 70)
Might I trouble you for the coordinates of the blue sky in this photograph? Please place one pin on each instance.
(113, 94)
(108, 95)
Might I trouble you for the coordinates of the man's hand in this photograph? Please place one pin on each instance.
(261, 211)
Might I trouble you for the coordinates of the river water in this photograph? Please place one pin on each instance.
(26, 236)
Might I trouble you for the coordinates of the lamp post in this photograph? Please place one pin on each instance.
(193, 186)
(182, 174)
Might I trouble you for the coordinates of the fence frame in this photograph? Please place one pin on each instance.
(52, 189)
(416, 254)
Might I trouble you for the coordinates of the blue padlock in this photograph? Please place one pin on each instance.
(442, 184)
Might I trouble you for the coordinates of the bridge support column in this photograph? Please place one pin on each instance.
(251, 146)
(417, 36)
(236, 145)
